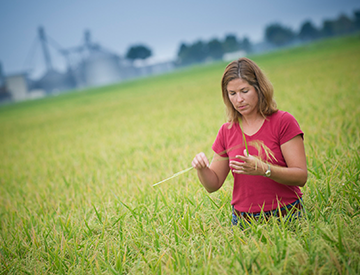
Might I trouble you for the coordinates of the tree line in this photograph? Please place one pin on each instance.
(280, 35)
(214, 49)
(276, 35)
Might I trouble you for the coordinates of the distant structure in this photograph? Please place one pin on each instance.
(100, 66)
(4, 94)
(233, 55)
(52, 81)
(17, 85)
(88, 65)
(1, 76)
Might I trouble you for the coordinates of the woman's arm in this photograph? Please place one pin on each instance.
(294, 174)
(211, 176)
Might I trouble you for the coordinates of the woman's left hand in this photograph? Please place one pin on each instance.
(250, 165)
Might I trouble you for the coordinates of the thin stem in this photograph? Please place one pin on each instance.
(243, 134)
(175, 175)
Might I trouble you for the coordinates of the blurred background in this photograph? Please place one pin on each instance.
(50, 47)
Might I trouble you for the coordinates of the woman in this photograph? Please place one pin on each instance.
(267, 180)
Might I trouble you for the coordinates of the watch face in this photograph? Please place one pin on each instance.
(268, 173)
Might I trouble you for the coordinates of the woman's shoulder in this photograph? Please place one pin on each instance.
(281, 115)
(227, 129)
(226, 125)
(285, 124)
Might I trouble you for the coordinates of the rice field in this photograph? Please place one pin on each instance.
(77, 174)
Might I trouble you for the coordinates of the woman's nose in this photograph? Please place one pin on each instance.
(239, 98)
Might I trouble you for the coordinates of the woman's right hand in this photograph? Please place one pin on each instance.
(213, 175)
(200, 161)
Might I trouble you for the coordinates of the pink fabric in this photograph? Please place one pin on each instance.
(255, 193)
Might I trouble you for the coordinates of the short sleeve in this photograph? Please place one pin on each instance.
(219, 145)
(289, 128)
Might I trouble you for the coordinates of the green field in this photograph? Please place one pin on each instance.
(76, 175)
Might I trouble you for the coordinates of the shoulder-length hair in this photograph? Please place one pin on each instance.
(247, 69)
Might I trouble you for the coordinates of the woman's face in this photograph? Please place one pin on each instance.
(243, 97)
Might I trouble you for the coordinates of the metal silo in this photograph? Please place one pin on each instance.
(53, 81)
(100, 68)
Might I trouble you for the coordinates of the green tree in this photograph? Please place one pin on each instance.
(278, 34)
(357, 19)
(230, 44)
(138, 52)
(215, 49)
(343, 25)
(328, 28)
(308, 31)
(246, 45)
(194, 53)
(199, 51)
(183, 53)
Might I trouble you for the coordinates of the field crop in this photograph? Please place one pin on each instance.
(76, 175)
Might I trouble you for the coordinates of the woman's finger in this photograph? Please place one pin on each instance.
(200, 161)
(237, 166)
(235, 163)
(241, 157)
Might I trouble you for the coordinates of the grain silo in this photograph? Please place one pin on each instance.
(52, 81)
(99, 66)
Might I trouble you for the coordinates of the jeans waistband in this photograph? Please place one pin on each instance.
(283, 211)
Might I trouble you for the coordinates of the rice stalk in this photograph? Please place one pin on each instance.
(175, 175)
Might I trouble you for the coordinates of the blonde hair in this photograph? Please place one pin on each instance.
(247, 69)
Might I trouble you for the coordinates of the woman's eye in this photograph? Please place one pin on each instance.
(231, 93)
(245, 91)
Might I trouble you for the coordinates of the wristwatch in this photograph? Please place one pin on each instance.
(268, 171)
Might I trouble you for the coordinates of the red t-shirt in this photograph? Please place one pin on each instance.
(255, 193)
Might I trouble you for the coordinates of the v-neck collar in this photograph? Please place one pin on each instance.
(254, 134)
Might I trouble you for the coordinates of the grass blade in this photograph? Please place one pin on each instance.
(175, 175)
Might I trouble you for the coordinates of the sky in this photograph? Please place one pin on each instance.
(162, 25)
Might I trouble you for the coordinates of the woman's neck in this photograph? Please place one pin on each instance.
(252, 119)
(252, 124)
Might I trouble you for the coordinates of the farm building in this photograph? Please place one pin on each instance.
(88, 65)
